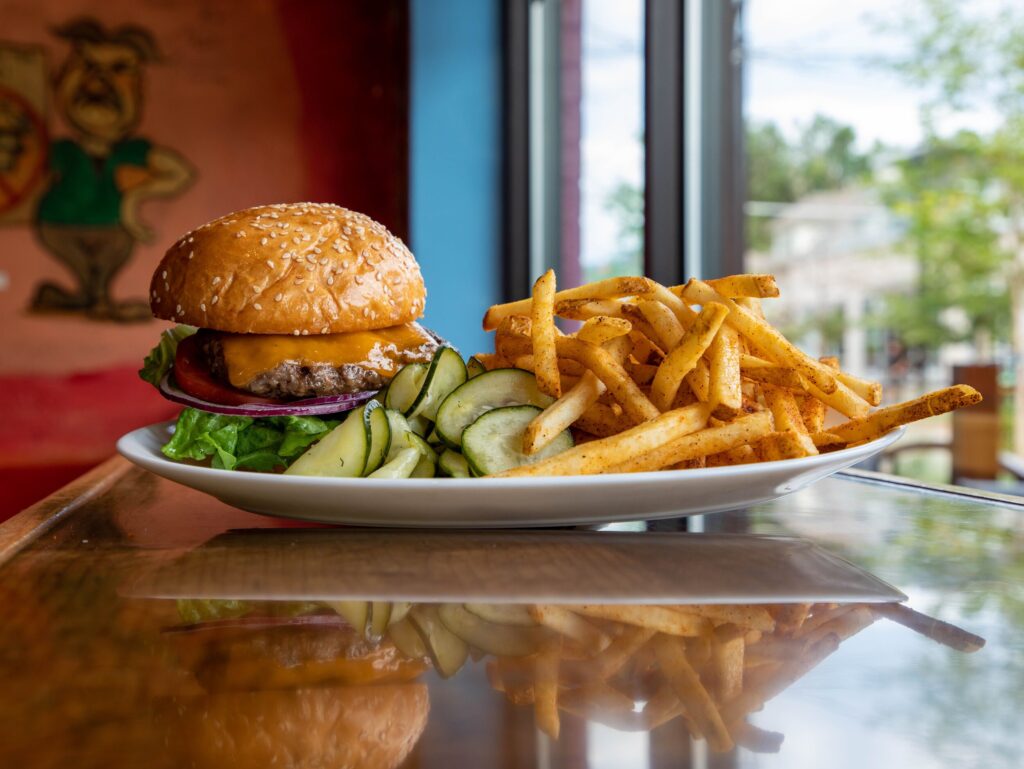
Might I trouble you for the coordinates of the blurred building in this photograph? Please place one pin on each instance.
(836, 255)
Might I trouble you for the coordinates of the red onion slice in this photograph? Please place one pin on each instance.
(260, 622)
(327, 404)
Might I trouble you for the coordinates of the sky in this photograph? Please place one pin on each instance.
(811, 56)
(803, 57)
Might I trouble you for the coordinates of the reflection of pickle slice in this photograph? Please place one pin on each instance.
(502, 640)
(404, 636)
(446, 649)
(380, 616)
(502, 613)
(355, 612)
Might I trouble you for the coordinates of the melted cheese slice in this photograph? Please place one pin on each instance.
(249, 355)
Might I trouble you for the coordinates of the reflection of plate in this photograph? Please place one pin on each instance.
(497, 502)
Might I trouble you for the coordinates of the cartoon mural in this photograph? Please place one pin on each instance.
(88, 217)
(106, 107)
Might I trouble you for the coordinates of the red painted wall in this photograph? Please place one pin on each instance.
(268, 101)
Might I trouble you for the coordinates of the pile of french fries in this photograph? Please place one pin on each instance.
(635, 668)
(661, 377)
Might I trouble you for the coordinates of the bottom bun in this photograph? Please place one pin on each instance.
(371, 727)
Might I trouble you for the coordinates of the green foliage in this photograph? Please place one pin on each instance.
(962, 195)
(822, 157)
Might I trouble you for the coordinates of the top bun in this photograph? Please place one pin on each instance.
(294, 268)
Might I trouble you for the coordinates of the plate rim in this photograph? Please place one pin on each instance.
(147, 459)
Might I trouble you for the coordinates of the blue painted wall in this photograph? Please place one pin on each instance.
(455, 163)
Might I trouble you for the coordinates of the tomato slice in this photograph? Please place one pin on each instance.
(193, 376)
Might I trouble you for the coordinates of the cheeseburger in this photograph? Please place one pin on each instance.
(291, 685)
(288, 314)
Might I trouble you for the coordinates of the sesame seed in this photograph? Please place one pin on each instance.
(330, 281)
(286, 255)
(323, 260)
(215, 299)
(216, 279)
(283, 245)
(240, 234)
(310, 268)
(264, 241)
(178, 308)
(311, 288)
(167, 286)
(278, 297)
(257, 305)
(366, 312)
(305, 332)
(164, 274)
(296, 332)
(298, 281)
(324, 330)
(296, 240)
(270, 264)
(202, 306)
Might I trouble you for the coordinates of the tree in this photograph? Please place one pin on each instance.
(964, 193)
(823, 156)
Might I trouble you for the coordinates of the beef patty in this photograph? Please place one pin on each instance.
(291, 379)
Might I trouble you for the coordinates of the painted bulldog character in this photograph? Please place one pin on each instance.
(88, 218)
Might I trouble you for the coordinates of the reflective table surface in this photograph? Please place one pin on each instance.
(862, 622)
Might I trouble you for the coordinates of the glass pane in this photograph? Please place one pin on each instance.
(882, 146)
(607, 224)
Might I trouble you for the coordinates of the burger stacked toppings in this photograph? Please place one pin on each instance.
(290, 314)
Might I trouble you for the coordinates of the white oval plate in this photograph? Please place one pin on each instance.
(496, 502)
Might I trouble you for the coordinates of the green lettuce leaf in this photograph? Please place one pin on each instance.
(158, 362)
(237, 443)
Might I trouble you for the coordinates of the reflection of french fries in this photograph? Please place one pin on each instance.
(646, 350)
(709, 665)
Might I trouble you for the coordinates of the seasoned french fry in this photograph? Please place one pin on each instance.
(812, 412)
(735, 286)
(642, 373)
(766, 338)
(755, 738)
(937, 630)
(644, 350)
(572, 625)
(657, 618)
(699, 381)
(741, 455)
(747, 617)
(882, 421)
(712, 440)
(562, 413)
(602, 420)
(602, 328)
(870, 392)
(542, 318)
(585, 309)
(491, 361)
(780, 376)
(545, 688)
(751, 303)
(787, 444)
(679, 308)
(727, 661)
(787, 416)
(612, 374)
(691, 692)
(790, 616)
(666, 326)
(726, 397)
(597, 456)
(512, 339)
(683, 358)
(609, 288)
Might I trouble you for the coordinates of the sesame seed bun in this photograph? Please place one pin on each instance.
(295, 268)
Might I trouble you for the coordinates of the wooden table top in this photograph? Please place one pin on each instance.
(148, 625)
